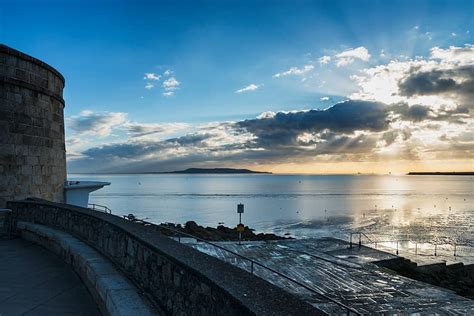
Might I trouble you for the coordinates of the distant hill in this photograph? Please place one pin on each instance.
(466, 173)
(213, 171)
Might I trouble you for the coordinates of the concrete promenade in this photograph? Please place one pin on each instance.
(347, 276)
(34, 281)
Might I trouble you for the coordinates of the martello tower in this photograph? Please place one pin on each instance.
(32, 148)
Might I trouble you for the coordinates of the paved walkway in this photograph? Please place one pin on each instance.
(328, 267)
(33, 281)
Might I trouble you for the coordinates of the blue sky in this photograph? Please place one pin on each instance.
(214, 48)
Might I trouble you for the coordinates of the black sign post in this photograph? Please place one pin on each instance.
(240, 227)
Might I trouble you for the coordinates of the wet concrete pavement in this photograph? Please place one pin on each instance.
(33, 281)
(345, 275)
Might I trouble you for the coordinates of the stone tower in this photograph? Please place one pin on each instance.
(32, 148)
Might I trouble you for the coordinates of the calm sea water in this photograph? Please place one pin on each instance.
(430, 208)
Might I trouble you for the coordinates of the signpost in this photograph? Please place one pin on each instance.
(240, 227)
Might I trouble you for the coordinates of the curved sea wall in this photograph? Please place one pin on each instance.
(32, 150)
(178, 279)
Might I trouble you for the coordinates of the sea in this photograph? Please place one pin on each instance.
(386, 208)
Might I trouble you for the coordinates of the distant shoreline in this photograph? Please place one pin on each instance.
(467, 173)
(212, 171)
(187, 171)
(278, 174)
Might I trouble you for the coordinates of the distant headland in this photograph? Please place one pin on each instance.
(213, 171)
(466, 173)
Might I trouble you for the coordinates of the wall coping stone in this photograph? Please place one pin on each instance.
(13, 52)
(254, 294)
(32, 87)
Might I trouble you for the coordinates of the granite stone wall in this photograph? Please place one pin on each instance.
(32, 148)
(178, 279)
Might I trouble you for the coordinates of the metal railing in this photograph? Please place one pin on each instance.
(179, 234)
(397, 241)
(100, 208)
(360, 238)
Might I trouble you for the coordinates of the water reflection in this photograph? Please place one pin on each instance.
(431, 208)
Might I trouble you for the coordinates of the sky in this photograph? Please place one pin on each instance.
(280, 86)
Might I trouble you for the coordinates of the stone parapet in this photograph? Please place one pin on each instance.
(178, 279)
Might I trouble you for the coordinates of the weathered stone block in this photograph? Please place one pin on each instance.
(34, 150)
(7, 149)
(32, 160)
(37, 180)
(26, 170)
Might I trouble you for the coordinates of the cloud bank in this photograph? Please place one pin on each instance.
(416, 110)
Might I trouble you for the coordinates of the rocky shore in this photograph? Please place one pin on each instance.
(221, 233)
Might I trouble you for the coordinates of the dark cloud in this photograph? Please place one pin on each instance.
(190, 139)
(277, 136)
(140, 149)
(414, 113)
(346, 117)
(342, 117)
(124, 150)
(139, 130)
(136, 130)
(97, 123)
(426, 83)
(418, 113)
(351, 130)
(458, 81)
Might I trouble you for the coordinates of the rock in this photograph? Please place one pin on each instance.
(221, 233)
